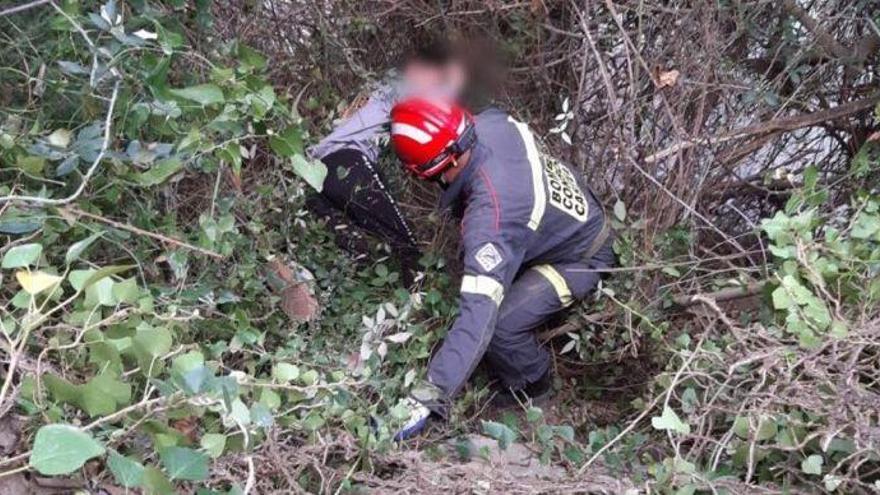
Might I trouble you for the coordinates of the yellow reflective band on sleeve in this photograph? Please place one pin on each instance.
(557, 282)
(537, 174)
(481, 284)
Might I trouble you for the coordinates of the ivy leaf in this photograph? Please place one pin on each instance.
(500, 432)
(99, 22)
(62, 449)
(104, 272)
(285, 372)
(204, 94)
(156, 483)
(76, 249)
(153, 342)
(160, 172)
(287, 143)
(767, 429)
(213, 443)
(35, 282)
(19, 226)
(126, 291)
(310, 377)
(670, 421)
(103, 395)
(67, 166)
(127, 471)
(261, 415)
(20, 256)
(812, 464)
(781, 299)
(534, 414)
(313, 172)
(182, 463)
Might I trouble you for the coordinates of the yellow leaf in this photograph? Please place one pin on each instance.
(36, 282)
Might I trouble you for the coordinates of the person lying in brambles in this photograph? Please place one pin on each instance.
(354, 184)
(535, 240)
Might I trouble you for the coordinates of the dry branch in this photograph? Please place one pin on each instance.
(774, 126)
(135, 230)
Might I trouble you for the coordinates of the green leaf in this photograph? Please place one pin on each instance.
(105, 272)
(126, 291)
(741, 427)
(310, 377)
(78, 278)
(104, 395)
(83, 279)
(767, 429)
(534, 414)
(781, 299)
(61, 389)
(182, 463)
(287, 143)
(565, 432)
(812, 464)
(670, 421)
(285, 372)
(251, 57)
(313, 172)
(155, 482)
(127, 471)
(33, 165)
(76, 249)
(153, 342)
(238, 414)
(160, 172)
(24, 255)
(100, 292)
(188, 362)
(62, 449)
(500, 432)
(213, 443)
(866, 226)
(204, 94)
(261, 415)
(270, 399)
(19, 226)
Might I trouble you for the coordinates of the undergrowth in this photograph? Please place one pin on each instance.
(154, 180)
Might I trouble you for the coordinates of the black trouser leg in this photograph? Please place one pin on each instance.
(355, 187)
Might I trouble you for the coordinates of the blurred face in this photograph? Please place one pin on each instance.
(433, 79)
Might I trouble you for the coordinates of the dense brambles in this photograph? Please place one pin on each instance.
(175, 320)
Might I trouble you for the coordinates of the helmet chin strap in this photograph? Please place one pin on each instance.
(441, 177)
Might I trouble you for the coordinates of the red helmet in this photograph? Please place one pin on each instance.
(428, 134)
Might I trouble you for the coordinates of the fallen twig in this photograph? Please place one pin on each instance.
(146, 233)
(722, 295)
(22, 8)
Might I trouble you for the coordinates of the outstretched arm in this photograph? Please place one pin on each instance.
(363, 130)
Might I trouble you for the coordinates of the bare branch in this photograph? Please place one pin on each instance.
(23, 7)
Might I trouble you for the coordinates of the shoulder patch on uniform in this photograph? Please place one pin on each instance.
(488, 257)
